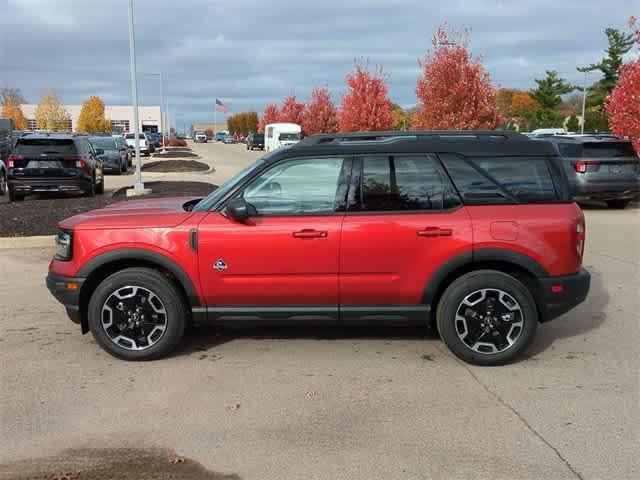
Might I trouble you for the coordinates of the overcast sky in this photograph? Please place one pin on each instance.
(250, 53)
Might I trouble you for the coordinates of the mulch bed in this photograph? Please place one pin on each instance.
(175, 166)
(38, 215)
(176, 153)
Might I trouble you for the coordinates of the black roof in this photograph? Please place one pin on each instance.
(478, 143)
(586, 138)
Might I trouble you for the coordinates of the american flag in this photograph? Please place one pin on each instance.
(221, 107)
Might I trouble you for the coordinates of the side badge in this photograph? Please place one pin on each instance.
(220, 265)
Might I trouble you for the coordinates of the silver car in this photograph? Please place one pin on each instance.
(600, 167)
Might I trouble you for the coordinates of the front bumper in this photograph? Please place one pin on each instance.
(67, 291)
(558, 295)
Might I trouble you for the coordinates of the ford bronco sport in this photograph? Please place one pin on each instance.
(474, 232)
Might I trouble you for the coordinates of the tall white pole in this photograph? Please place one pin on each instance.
(139, 186)
(584, 103)
(162, 111)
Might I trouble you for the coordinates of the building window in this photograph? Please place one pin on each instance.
(32, 124)
(66, 125)
(119, 126)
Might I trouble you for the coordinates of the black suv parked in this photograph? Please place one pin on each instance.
(255, 140)
(54, 162)
(116, 156)
(600, 167)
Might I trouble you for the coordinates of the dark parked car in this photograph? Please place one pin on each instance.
(156, 139)
(115, 156)
(255, 140)
(600, 167)
(54, 162)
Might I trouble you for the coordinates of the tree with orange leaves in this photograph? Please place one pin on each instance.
(366, 106)
(320, 114)
(14, 112)
(454, 90)
(270, 115)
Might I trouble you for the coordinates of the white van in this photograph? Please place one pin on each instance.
(549, 131)
(278, 135)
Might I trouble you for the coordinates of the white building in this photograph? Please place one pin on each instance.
(121, 117)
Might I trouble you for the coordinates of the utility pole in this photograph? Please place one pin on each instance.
(139, 186)
(584, 103)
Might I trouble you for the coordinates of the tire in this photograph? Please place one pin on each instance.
(91, 191)
(15, 197)
(618, 204)
(3, 183)
(148, 282)
(100, 186)
(459, 322)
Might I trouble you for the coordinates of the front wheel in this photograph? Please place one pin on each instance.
(136, 314)
(487, 317)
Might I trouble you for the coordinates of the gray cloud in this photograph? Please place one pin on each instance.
(251, 53)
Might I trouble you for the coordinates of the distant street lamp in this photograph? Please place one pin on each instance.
(584, 103)
(163, 107)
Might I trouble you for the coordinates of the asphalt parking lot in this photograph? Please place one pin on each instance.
(335, 403)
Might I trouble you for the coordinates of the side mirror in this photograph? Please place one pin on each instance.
(99, 151)
(239, 210)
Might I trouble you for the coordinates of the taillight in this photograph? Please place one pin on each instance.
(79, 162)
(12, 159)
(580, 235)
(584, 166)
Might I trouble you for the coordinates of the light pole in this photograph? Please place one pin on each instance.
(162, 106)
(139, 186)
(584, 103)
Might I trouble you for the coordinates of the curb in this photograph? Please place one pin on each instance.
(212, 169)
(38, 241)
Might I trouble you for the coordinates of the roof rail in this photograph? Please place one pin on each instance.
(394, 136)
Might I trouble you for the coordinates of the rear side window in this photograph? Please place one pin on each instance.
(396, 183)
(50, 146)
(491, 180)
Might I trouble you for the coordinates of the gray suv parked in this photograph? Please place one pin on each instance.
(600, 167)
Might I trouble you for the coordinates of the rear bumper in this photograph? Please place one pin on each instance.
(68, 297)
(38, 185)
(606, 191)
(558, 295)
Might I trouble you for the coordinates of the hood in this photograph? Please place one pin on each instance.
(150, 213)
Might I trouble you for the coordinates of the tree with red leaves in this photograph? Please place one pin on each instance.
(623, 103)
(454, 90)
(366, 106)
(291, 110)
(270, 115)
(320, 115)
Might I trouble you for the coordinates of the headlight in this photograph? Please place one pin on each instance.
(64, 240)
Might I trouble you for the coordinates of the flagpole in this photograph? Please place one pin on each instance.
(215, 118)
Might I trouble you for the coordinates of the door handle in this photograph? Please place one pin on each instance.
(435, 232)
(310, 233)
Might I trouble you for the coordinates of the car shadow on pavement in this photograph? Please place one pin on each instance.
(586, 317)
(199, 339)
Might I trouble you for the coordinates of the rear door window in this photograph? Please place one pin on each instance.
(490, 180)
(400, 183)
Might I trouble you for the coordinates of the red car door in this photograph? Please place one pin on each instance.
(404, 221)
(283, 261)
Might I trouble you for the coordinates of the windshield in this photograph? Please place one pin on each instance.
(220, 192)
(131, 136)
(104, 143)
(290, 136)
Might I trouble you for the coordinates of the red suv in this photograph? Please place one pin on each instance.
(475, 232)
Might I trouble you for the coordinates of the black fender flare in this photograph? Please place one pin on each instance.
(151, 257)
(482, 255)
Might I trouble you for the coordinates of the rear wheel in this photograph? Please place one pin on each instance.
(91, 189)
(3, 183)
(487, 317)
(15, 197)
(618, 203)
(100, 186)
(136, 314)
